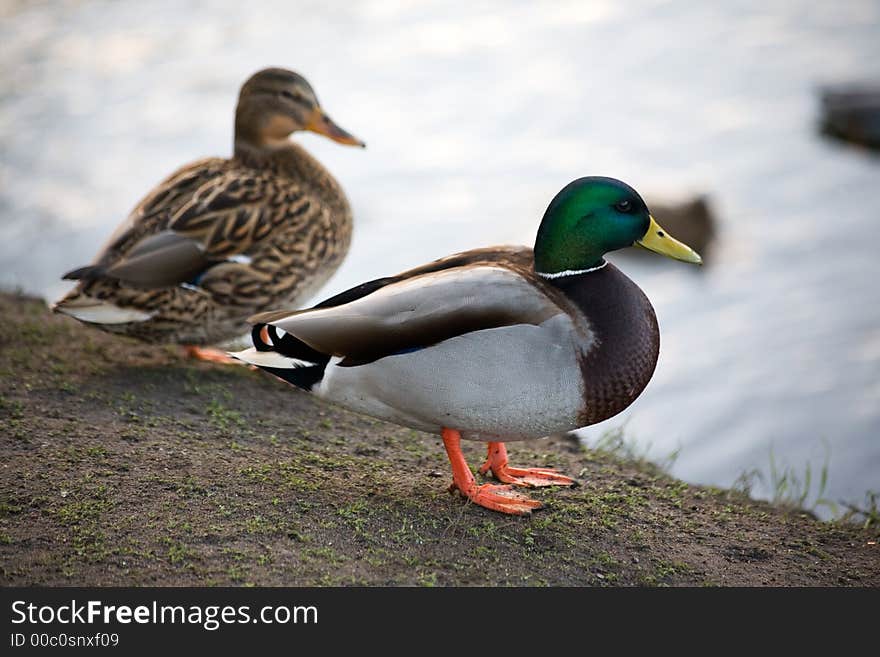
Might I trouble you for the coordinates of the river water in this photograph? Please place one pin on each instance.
(475, 114)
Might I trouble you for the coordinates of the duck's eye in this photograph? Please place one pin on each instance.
(623, 206)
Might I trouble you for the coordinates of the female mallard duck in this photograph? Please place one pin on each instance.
(494, 344)
(222, 239)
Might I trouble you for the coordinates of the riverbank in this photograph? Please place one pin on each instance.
(126, 464)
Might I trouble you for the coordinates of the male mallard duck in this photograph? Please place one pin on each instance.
(221, 239)
(494, 344)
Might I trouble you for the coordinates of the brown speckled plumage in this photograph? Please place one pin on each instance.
(266, 229)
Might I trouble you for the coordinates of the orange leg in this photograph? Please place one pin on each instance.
(209, 355)
(491, 496)
(496, 461)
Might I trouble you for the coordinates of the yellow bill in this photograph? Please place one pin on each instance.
(322, 124)
(659, 241)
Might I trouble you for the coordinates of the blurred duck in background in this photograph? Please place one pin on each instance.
(692, 220)
(222, 239)
(851, 112)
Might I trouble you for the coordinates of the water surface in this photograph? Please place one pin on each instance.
(475, 114)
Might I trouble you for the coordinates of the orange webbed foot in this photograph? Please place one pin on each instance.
(501, 498)
(210, 355)
(496, 461)
(490, 496)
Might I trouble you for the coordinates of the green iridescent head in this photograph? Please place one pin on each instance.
(592, 216)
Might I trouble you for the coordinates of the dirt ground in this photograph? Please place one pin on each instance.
(125, 464)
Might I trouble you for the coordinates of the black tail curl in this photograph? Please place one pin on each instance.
(304, 376)
(257, 338)
(286, 345)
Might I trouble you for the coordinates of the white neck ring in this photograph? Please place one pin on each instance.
(571, 272)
